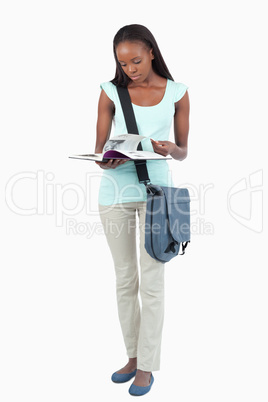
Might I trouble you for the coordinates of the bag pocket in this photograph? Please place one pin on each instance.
(178, 212)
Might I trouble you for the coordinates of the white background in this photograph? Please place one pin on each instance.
(60, 335)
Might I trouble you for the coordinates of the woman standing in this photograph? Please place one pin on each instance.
(157, 102)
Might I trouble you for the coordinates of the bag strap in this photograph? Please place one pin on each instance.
(132, 128)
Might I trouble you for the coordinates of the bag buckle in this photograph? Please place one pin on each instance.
(154, 190)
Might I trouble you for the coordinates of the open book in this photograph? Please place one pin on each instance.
(122, 146)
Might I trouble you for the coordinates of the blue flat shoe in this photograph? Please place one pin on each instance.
(138, 391)
(120, 378)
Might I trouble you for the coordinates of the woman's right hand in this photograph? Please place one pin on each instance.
(111, 164)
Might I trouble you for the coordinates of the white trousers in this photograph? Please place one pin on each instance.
(141, 325)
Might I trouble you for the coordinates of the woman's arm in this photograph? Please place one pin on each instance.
(104, 121)
(106, 111)
(177, 150)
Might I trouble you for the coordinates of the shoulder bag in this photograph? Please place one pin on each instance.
(167, 224)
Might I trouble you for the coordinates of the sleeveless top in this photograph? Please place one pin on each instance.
(121, 184)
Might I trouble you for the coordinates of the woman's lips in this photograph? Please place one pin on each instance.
(135, 77)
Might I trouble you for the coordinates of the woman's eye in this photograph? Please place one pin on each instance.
(135, 62)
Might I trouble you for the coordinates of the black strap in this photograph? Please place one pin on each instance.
(184, 245)
(127, 110)
(132, 128)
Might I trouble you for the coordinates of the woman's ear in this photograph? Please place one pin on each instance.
(151, 54)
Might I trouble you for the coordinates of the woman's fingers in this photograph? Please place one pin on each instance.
(111, 164)
(163, 147)
(159, 148)
(117, 162)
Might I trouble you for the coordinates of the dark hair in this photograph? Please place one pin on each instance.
(138, 33)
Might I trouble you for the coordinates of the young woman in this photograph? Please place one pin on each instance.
(157, 102)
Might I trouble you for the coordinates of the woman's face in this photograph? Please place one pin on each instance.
(135, 59)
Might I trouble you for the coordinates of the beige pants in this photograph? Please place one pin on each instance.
(141, 327)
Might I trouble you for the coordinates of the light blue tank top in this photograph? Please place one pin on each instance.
(121, 184)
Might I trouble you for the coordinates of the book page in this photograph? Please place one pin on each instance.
(123, 142)
(90, 157)
(136, 155)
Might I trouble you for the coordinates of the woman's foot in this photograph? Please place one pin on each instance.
(142, 378)
(129, 367)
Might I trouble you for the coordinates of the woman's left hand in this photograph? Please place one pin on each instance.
(163, 147)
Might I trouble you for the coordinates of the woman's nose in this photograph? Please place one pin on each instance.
(131, 68)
